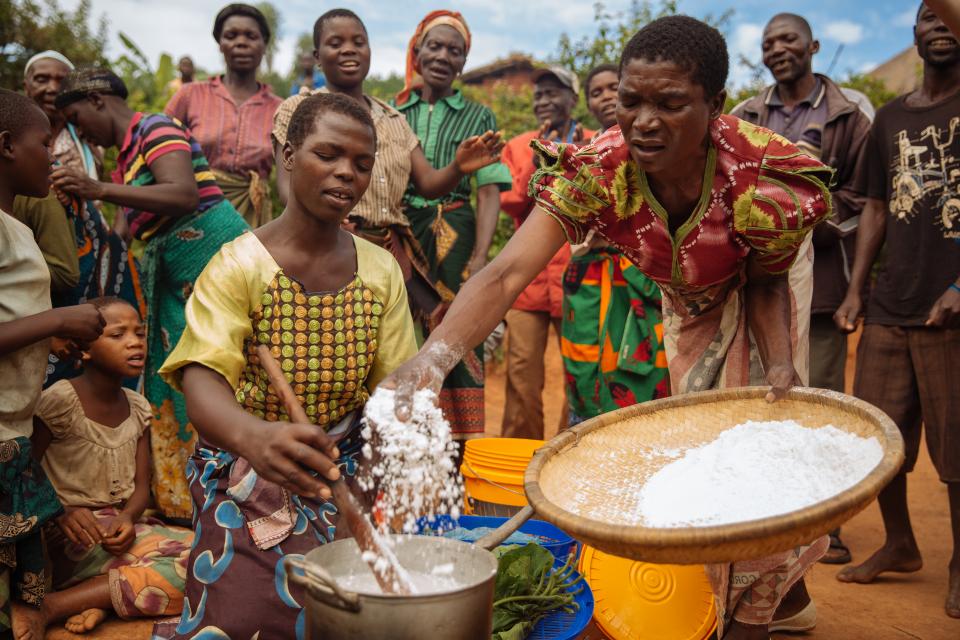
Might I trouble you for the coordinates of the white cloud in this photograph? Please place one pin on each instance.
(867, 67)
(844, 31)
(745, 41)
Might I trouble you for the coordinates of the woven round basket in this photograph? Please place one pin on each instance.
(586, 465)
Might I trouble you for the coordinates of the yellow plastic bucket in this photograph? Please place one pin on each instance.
(493, 471)
(643, 601)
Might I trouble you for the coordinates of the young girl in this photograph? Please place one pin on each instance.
(91, 435)
(333, 310)
(27, 324)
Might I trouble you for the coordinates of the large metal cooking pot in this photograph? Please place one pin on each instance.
(462, 613)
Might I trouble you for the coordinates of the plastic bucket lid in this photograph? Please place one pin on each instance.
(504, 447)
(643, 601)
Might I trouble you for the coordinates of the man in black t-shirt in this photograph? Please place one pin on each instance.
(908, 360)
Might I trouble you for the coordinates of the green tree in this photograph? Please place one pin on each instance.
(873, 88)
(384, 87)
(28, 27)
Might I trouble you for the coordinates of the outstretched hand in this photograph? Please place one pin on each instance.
(426, 370)
(477, 152)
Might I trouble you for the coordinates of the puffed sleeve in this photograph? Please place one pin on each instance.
(59, 407)
(791, 196)
(141, 410)
(218, 321)
(569, 186)
(396, 341)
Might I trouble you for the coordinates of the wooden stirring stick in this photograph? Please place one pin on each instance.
(389, 574)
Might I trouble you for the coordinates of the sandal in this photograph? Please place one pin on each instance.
(805, 620)
(838, 553)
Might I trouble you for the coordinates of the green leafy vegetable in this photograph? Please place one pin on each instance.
(527, 589)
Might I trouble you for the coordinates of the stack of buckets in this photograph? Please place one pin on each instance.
(493, 471)
(634, 600)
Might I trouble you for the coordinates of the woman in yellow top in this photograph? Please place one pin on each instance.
(333, 310)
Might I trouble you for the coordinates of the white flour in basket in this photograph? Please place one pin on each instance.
(754, 470)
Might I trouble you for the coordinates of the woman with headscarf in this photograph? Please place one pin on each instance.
(455, 239)
(170, 200)
(86, 258)
(230, 115)
(718, 213)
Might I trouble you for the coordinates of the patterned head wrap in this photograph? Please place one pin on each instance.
(83, 82)
(412, 79)
(49, 54)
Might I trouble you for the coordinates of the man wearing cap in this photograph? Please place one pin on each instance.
(555, 94)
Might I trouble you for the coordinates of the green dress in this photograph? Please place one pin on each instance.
(446, 229)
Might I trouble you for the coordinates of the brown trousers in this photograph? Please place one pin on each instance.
(527, 334)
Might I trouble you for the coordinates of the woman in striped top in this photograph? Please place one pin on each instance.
(171, 201)
(455, 239)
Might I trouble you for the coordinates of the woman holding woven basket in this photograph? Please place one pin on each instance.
(718, 213)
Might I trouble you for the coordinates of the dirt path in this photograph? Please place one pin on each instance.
(895, 608)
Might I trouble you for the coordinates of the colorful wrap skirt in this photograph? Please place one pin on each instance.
(447, 233)
(27, 501)
(237, 585)
(172, 261)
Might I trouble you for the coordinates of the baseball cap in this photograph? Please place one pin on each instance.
(565, 77)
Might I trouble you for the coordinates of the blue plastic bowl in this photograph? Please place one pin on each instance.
(560, 625)
(550, 537)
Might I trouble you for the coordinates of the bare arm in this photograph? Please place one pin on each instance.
(41, 438)
(768, 314)
(174, 193)
(870, 236)
(281, 452)
(480, 304)
(473, 153)
(82, 322)
(140, 498)
(488, 212)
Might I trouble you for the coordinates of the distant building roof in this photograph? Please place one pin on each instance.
(513, 64)
(901, 73)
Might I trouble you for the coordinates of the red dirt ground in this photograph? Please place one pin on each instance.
(894, 608)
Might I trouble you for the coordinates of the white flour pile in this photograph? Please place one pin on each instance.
(755, 470)
(411, 463)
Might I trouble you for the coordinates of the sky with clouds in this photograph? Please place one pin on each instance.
(871, 31)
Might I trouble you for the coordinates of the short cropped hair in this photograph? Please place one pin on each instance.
(331, 15)
(687, 42)
(240, 9)
(305, 116)
(103, 302)
(18, 112)
(600, 68)
(800, 21)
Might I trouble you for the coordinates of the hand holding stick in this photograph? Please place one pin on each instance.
(389, 574)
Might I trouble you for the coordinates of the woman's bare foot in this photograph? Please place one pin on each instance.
(86, 621)
(28, 623)
(952, 604)
(740, 631)
(897, 559)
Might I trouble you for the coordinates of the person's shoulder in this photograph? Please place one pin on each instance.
(751, 107)
(742, 138)
(896, 108)
(384, 106)
(140, 408)
(373, 257)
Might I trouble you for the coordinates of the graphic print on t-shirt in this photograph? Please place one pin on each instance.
(925, 168)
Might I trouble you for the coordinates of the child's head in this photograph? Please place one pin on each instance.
(342, 48)
(122, 347)
(24, 145)
(88, 98)
(330, 150)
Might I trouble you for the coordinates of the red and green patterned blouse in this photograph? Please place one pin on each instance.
(760, 193)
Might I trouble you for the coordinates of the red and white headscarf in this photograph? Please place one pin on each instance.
(412, 79)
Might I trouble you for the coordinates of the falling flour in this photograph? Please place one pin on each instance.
(752, 471)
(410, 463)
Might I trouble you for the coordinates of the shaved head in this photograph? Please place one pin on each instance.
(799, 21)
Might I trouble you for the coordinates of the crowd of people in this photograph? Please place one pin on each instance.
(675, 249)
